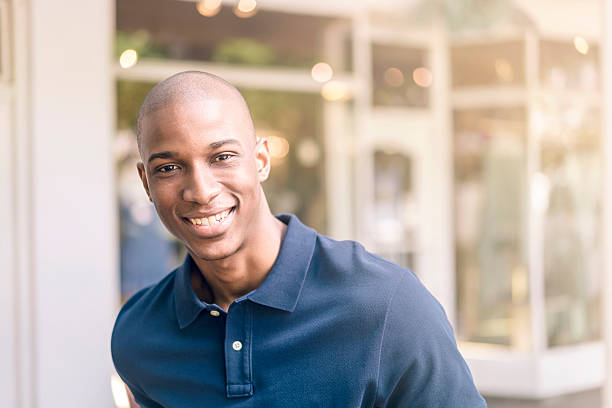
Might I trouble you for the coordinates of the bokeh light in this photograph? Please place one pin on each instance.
(308, 153)
(394, 77)
(278, 145)
(335, 91)
(322, 72)
(209, 8)
(504, 70)
(128, 58)
(422, 77)
(582, 46)
(245, 8)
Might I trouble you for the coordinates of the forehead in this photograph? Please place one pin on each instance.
(195, 124)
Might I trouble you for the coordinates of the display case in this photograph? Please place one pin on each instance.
(527, 211)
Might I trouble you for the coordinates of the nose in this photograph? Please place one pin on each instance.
(200, 185)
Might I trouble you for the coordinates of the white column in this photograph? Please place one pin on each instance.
(62, 241)
(606, 115)
(535, 240)
(362, 111)
(440, 236)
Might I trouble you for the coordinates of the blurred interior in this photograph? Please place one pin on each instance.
(462, 139)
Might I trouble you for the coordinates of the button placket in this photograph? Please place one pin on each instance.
(237, 351)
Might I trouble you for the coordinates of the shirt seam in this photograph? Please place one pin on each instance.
(382, 337)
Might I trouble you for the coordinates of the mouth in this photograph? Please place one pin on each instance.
(211, 220)
(211, 226)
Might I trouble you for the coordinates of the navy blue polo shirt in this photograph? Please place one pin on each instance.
(331, 326)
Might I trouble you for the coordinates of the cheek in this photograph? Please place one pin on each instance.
(163, 197)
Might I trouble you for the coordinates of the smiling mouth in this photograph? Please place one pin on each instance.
(212, 219)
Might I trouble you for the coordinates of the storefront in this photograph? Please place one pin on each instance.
(465, 145)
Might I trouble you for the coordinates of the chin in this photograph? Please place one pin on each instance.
(212, 254)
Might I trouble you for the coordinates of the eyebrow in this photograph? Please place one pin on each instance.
(216, 145)
(162, 155)
(212, 146)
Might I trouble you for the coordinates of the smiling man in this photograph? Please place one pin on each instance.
(265, 312)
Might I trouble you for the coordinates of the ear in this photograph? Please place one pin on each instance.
(262, 159)
(143, 178)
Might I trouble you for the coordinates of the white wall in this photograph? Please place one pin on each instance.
(61, 237)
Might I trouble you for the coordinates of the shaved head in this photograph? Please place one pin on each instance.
(186, 87)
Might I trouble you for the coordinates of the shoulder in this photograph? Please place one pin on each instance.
(368, 281)
(352, 258)
(350, 261)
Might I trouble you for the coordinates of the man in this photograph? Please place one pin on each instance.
(265, 312)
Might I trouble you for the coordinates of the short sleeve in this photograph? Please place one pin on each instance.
(420, 365)
(139, 395)
(123, 358)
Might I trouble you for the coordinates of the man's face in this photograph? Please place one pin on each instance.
(202, 169)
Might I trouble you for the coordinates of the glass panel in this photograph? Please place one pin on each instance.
(569, 195)
(400, 77)
(500, 63)
(147, 250)
(569, 65)
(394, 204)
(490, 226)
(292, 124)
(176, 30)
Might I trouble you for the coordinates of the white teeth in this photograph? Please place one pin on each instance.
(212, 220)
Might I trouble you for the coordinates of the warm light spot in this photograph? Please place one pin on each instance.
(335, 91)
(582, 46)
(245, 8)
(322, 72)
(519, 285)
(394, 77)
(128, 58)
(120, 396)
(504, 70)
(278, 145)
(209, 8)
(422, 77)
(308, 153)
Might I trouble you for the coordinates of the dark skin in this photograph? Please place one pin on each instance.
(202, 168)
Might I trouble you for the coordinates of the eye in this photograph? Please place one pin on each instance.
(168, 168)
(223, 157)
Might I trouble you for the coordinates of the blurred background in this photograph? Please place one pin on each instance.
(464, 139)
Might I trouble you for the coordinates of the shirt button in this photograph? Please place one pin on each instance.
(237, 345)
(214, 313)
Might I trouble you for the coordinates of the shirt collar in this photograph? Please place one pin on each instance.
(282, 287)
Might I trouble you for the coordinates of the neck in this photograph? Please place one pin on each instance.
(223, 281)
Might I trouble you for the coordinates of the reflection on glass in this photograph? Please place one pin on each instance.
(488, 64)
(399, 76)
(569, 65)
(490, 226)
(177, 30)
(147, 250)
(394, 207)
(292, 123)
(571, 207)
